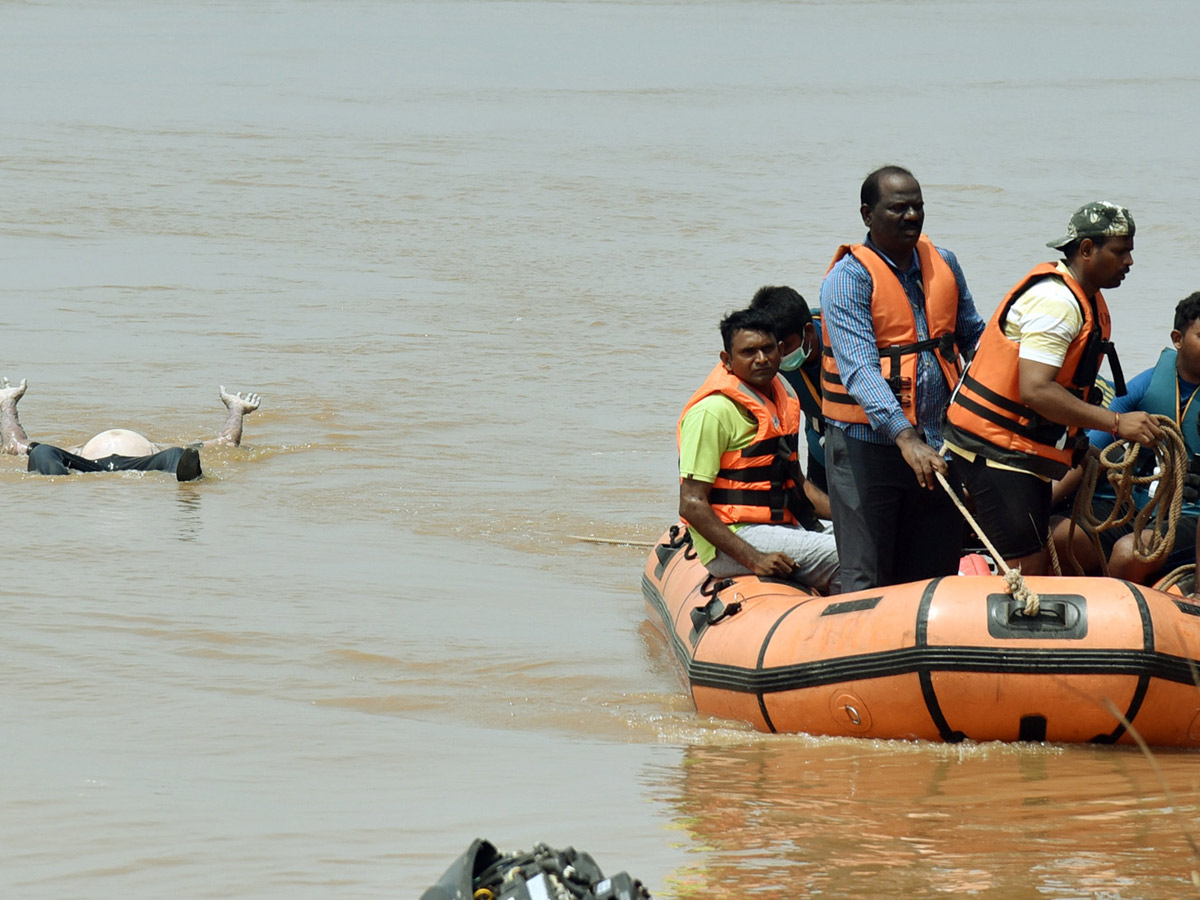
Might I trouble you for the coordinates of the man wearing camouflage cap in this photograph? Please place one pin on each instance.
(1014, 420)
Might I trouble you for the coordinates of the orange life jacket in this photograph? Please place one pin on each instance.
(896, 331)
(756, 483)
(986, 414)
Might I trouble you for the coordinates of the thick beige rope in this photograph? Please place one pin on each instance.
(1184, 576)
(1160, 516)
(1012, 577)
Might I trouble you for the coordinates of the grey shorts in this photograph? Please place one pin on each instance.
(814, 552)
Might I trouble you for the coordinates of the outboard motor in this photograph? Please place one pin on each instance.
(484, 873)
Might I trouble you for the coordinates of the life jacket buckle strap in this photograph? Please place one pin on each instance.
(893, 354)
(947, 347)
(1080, 450)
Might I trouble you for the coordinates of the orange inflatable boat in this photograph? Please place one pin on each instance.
(941, 660)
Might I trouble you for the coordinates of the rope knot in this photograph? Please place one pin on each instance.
(1020, 591)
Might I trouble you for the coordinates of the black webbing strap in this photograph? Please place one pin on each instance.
(1114, 366)
(1038, 430)
(1017, 409)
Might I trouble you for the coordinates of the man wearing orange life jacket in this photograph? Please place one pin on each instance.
(1013, 421)
(741, 493)
(895, 311)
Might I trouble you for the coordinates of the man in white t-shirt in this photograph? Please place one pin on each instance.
(1013, 420)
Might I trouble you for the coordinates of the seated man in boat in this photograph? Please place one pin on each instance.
(800, 365)
(1012, 421)
(117, 449)
(1166, 389)
(741, 493)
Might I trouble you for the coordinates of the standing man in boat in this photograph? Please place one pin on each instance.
(800, 365)
(1013, 423)
(741, 493)
(895, 314)
(1166, 389)
(118, 449)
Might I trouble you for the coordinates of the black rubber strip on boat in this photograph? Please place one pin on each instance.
(1030, 661)
(797, 676)
(1135, 704)
(928, 692)
(762, 653)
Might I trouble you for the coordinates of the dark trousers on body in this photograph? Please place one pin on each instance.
(889, 529)
(46, 459)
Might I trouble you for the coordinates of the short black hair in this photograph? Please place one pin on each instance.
(870, 192)
(1187, 311)
(785, 305)
(746, 320)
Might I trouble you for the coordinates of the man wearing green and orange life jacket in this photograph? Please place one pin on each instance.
(1167, 389)
(741, 493)
(800, 364)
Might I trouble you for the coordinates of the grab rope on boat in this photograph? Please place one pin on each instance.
(1159, 517)
(1012, 576)
(1184, 577)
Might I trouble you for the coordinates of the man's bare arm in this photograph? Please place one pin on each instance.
(819, 499)
(694, 506)
(921, 458)
(239, 407)
(13, 439)
(1048, 398)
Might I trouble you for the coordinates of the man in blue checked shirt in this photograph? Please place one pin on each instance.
(896, 312)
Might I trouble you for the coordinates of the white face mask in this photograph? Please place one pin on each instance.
(795, 359)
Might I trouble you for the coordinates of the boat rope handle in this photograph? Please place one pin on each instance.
(1012, 576)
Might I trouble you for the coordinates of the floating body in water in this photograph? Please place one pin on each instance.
(118, 449)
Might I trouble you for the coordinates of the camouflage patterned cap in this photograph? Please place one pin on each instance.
(1097, 219)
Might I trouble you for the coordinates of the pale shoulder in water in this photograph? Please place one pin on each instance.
(118, 442)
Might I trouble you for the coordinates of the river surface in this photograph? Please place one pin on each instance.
(473, 254)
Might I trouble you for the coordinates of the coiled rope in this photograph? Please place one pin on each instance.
(1159, 517)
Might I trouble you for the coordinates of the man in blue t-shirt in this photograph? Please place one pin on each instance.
(1167, 389)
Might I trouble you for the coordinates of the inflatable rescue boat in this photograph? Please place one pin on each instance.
(946, 659)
